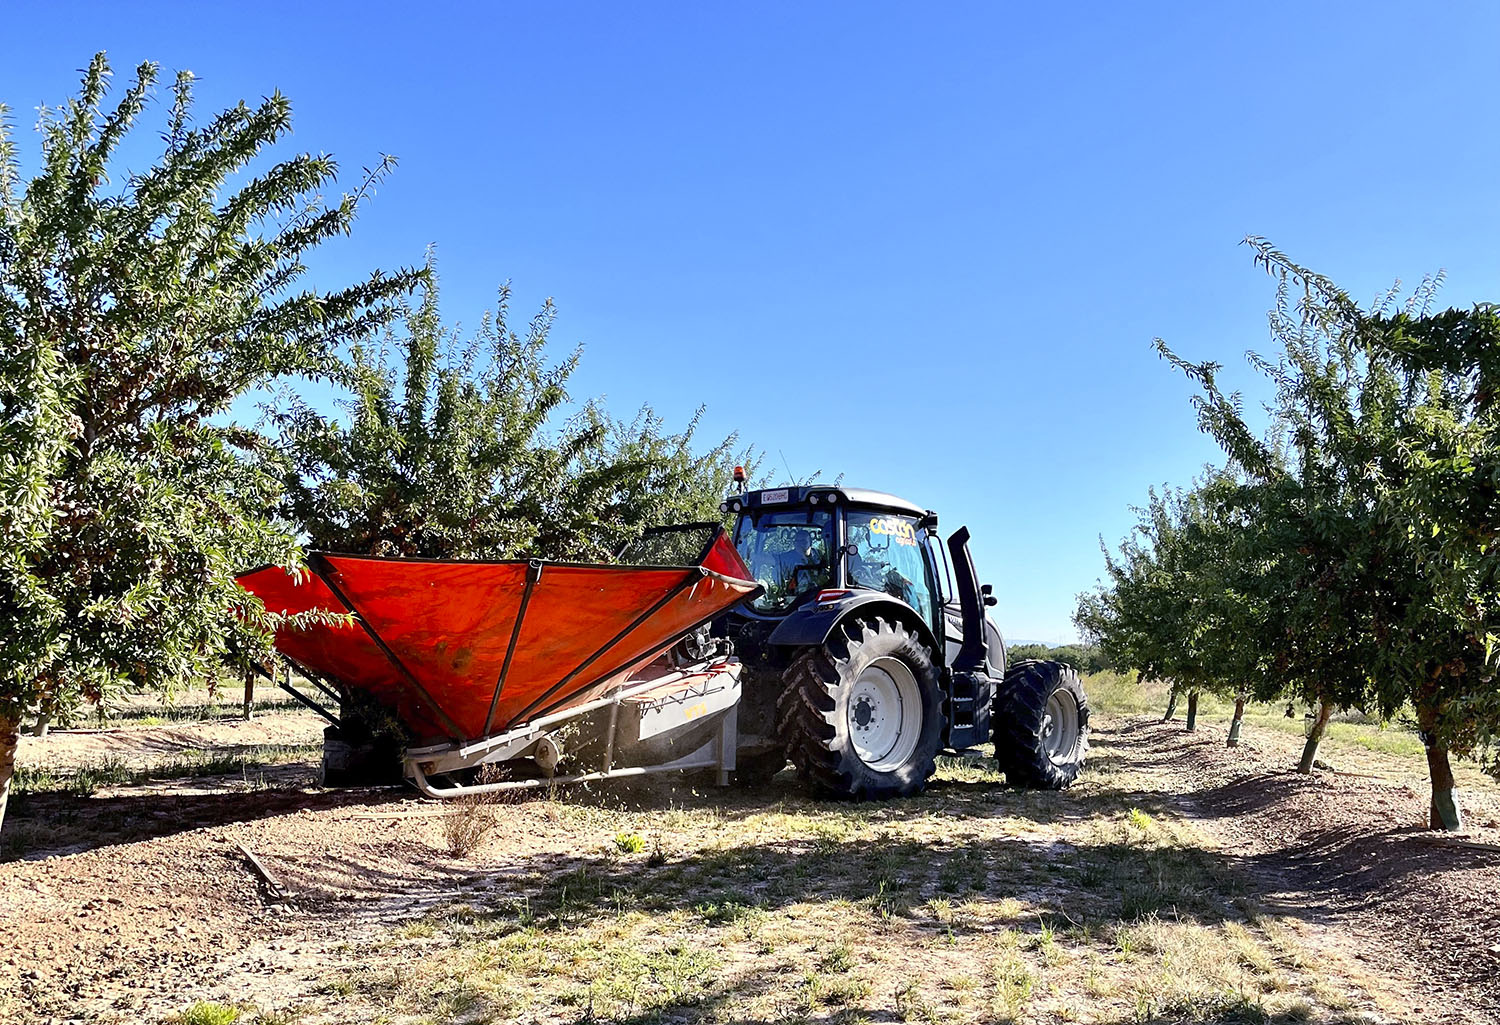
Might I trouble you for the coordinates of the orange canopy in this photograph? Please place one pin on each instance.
(468, 649)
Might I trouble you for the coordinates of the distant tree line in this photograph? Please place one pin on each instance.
(137, 307)
(1350, 557)
(1086, 658)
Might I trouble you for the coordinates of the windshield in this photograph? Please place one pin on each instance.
(787, 551)
(884, 556)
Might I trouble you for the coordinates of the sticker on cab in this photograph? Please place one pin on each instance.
(891, 526)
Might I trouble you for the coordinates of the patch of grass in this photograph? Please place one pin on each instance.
(230, 706)
(1121, 694)
(840, 958)
(972, 902)
(1013, 979)
(725, 913)
(203, 1013)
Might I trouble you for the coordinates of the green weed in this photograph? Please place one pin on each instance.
(629, 843)
(203, 1013)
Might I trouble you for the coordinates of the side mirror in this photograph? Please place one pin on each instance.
(987, 595)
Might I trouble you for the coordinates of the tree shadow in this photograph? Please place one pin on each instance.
(46, 825)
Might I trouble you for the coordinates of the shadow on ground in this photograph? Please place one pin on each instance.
(45, 825)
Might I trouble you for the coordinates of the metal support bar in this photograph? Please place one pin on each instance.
(609, 738)
(534, 728)
(705, 757)
(325, 571)
(689, 579)
(314, 678)
(726, 741)
(533, 575)
(310, 703)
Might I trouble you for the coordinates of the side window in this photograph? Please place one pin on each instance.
(886, 556)
(939, 559)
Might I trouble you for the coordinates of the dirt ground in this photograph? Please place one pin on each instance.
(1349, 848)
(1179, 881)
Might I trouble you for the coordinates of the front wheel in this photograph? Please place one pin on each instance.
(1041, 725)
(862, 716)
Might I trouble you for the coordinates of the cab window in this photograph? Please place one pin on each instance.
(939, 559)
(885, 555)
(788, 553)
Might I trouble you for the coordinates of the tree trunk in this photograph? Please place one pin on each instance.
(1236, 722)
(1310, 749)
(1171, 706)
(10, 736)
(1192, 719)
(43, 720)
(250, 693)
(1443, 811)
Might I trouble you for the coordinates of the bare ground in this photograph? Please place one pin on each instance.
(1349, 848)
(1180, 881)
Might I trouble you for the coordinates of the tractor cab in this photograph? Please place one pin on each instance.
(825, 554)
(805, 544)
(815, 547)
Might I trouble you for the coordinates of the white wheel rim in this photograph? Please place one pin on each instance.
(885, 714)
(1060, 727)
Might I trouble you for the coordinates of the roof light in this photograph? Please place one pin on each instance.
(739, 474)
(723, 507)
(812, 499)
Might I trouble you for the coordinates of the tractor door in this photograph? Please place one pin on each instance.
(950, 624)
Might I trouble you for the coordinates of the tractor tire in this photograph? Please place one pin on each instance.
(1041, 725)
(862, 715)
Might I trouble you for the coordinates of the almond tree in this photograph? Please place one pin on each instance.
(1387, 532)
(465, 448)
(132, 314)
(1175, 606)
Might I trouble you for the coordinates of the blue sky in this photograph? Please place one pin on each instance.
(924, 246)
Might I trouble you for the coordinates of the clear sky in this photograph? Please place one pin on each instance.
(924, 246)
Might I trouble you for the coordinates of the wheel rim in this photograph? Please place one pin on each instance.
(885, 714)
(1060, 727)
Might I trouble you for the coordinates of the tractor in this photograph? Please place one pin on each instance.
(868, 652)
(830, 628)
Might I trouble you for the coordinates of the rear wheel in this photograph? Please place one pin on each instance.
(1041, 725)
(862, 716)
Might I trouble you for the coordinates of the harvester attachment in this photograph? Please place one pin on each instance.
(480, 662)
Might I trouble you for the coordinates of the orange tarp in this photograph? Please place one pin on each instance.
(447, 628)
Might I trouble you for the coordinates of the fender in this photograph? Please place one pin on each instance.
(811, 625)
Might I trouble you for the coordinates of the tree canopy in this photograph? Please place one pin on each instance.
(1361, 554)
(466, 448)
(132, 314)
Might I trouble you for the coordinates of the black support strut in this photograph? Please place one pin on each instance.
(325, 571)
(692, 577)
(533, 575)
